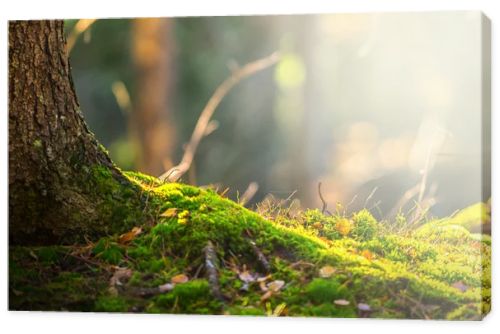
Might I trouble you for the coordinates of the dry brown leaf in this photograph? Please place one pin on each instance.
(263, 278)
(266, 296)
(169, 213)
(129, 236)
(341, 302)
(246, 276)
(178, 279)
(317, 225)
(275, 286)
(367, 254)
(326, 271)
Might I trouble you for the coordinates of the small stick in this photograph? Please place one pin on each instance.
(323, 209)
(200, 130)
(261, 257)
(211, 271)
(249, 193)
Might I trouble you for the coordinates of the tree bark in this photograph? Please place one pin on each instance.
(60, 178)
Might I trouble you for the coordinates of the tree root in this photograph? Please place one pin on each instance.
(211, 271)
(261, 257)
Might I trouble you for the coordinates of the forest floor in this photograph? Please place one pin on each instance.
(201, 253)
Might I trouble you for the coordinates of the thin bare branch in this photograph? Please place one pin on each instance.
(323, 209)
(240, 73)
(249, 193)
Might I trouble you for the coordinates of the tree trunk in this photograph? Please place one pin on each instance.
(151, 119)
(61, 181)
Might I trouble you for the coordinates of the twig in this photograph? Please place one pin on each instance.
(90, 262)
(261, 257)
(204, 120)
(323, 209)
(211, 270)
(370, 196)
(249, 193)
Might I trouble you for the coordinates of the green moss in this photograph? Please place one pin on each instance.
(365, 226)
(468, 311)
(108, 251)
(37, 144)
(245, 310)
(111, 304)
(322, 290)
(386, 268)
(49, 254)
(190, 297)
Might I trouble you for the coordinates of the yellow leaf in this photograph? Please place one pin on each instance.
(278, 310)
(317, 225)
(343, 226)
(178, 279)
(129, 236)
(326, 271)
(367, 254)
(169, 213)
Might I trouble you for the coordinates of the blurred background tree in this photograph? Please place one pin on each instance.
(367, 104)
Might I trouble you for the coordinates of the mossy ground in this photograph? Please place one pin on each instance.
(437, 271)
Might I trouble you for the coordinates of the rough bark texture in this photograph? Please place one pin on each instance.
(56, 165)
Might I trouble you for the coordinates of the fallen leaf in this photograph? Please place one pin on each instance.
(33, 255)
(278, 310)
(129, 236)
(364, 307)
(120, 276)
(317, 225)
(460, 286)
(341, 302)
(178, 279)
(343, 226)
(246, 276)
(169, 213)
(367, 254)
(275, 286)
(166, 287)
(263, 278)
(326, 271)
(266, 296)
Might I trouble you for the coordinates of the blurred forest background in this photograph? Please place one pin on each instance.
(383, 109)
